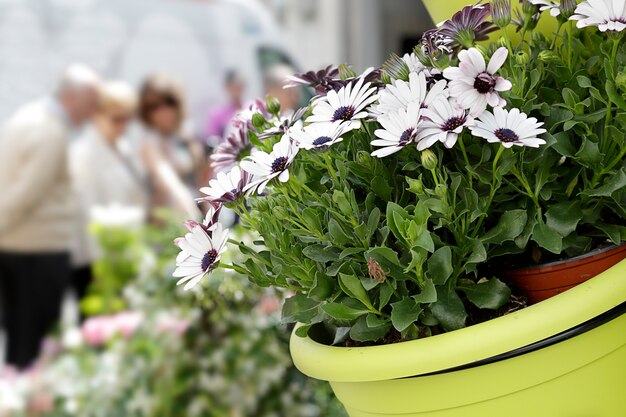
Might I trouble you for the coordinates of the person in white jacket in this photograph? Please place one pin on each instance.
(107, 173)
(37, 210)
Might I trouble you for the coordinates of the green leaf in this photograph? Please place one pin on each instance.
(584, 82)
(428, 294)
(337, 233)
(313, 218)
(425, 241)
(303, 331)
(320, 253)
(300, 308)
(613, 232)
(510, 226)
(393, 214)
(404, 313)
(449, 309)
(547, 238)
(571, 99)
(490, 294)
(372, 222)
(615, 97)
(361, 332)
(323, 287)
(440, 265)
(349, 252)
(589, 153)
(564, 217)
(615, 183)
(352, 286)
(381, 188)
(343, 312)
(478, 254)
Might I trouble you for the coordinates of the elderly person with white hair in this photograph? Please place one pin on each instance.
(37, 210)
(106, 173)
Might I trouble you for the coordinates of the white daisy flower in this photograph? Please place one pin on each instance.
(210, 219)
(399, 130)
(412, 61)
(398, 95)
(265, 167)
(605, 14)
(509, 128)
(346, 105)
(226, 187)
(548, 5)
(444, 122)
(474, 84)
(200, 254)
(319, 135)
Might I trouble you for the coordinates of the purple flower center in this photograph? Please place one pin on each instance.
(484, 83)
(344, 113)
(453, 123)
(208, 259)
(407, 136)
(322, 140)
(279, 164)
(506, 135)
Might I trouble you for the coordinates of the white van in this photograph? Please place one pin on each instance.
(195, 40)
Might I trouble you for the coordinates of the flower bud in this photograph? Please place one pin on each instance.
(258, 121)
(429, 159)
(262, 205)
(568, 8)
(416, 186)
(279, 213)
(272, 104)
(502, 42)
(501, 12)
(363, 158)
(546, 56)
(345, 72)
(441, 190)
(521, 58)
(528, 8)
(482, 49)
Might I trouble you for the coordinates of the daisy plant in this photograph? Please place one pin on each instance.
(389, 207)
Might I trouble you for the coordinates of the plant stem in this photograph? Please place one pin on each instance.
(609, 109)
(467, 163)
(331, 170)
(556, 35)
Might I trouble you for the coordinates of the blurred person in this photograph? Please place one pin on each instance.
(274, 81)
(220, 117)
(172, 160)
(105, 171)
(37, 210)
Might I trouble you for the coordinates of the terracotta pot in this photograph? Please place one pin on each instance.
(544, 281)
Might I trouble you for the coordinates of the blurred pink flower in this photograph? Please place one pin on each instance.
(96, 331)
(172, 325)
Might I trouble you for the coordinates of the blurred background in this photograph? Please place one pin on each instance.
(110, 111)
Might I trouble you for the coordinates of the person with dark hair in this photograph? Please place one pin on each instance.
(172, 160)
(38, 210)
(220, 116)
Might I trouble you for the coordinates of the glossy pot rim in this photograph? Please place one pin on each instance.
(577, 261)
(468, 346)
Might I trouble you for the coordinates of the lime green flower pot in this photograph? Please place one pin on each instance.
(564, 357)
(440, 10)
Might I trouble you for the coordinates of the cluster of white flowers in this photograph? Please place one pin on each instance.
(423, 111)
(431, 106)
(606, 15)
